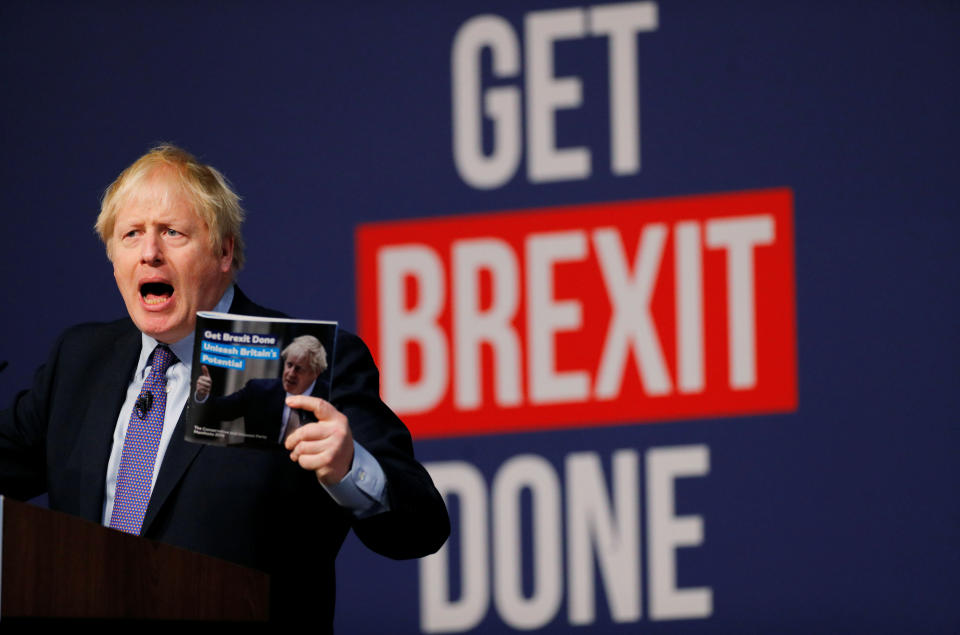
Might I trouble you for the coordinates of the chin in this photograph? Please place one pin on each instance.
(162, 330)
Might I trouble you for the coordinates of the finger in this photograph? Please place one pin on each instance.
(320, 408)
(331, 464)
(309, 448)
(324, 465)
(316, 431)
(205, 372)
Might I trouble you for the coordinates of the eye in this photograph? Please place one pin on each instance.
(172, 232)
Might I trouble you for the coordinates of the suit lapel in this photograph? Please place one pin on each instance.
(178, 457)
(117, 369)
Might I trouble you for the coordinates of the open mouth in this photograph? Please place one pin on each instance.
(154, 293)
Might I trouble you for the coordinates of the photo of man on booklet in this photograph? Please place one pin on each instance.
(242, 383)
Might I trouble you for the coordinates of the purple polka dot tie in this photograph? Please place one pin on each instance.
(140, 446)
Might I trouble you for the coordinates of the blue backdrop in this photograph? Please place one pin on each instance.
(840, 516)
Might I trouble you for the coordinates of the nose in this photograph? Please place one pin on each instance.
(151, 249)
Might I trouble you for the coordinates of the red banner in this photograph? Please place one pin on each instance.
(583, 315)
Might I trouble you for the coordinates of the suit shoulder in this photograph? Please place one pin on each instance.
(348, 338)
(354, 368)
(350, 345)
(264, 384)
(93, 333)
(245, 306)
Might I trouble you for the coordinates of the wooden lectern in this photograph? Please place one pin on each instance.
(59, 567)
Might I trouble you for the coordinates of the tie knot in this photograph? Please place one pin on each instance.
(161, 359)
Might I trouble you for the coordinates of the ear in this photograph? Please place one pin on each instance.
(113, 263)
(226, 254)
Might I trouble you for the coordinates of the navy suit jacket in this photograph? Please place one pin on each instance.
(260, 402)
(239, 504)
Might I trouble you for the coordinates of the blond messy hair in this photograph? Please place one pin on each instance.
(213, 199)
(310, 347)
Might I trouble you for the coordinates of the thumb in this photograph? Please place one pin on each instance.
(204, 371)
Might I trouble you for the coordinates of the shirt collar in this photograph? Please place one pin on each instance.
(183, 349)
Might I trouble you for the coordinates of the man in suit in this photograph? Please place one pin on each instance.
(267, 420)
(88, 435)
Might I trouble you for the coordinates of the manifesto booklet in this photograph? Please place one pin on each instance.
(243, 369)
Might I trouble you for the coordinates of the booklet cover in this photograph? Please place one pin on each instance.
(243, 368)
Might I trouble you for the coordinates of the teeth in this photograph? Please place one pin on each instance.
(155, 299)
